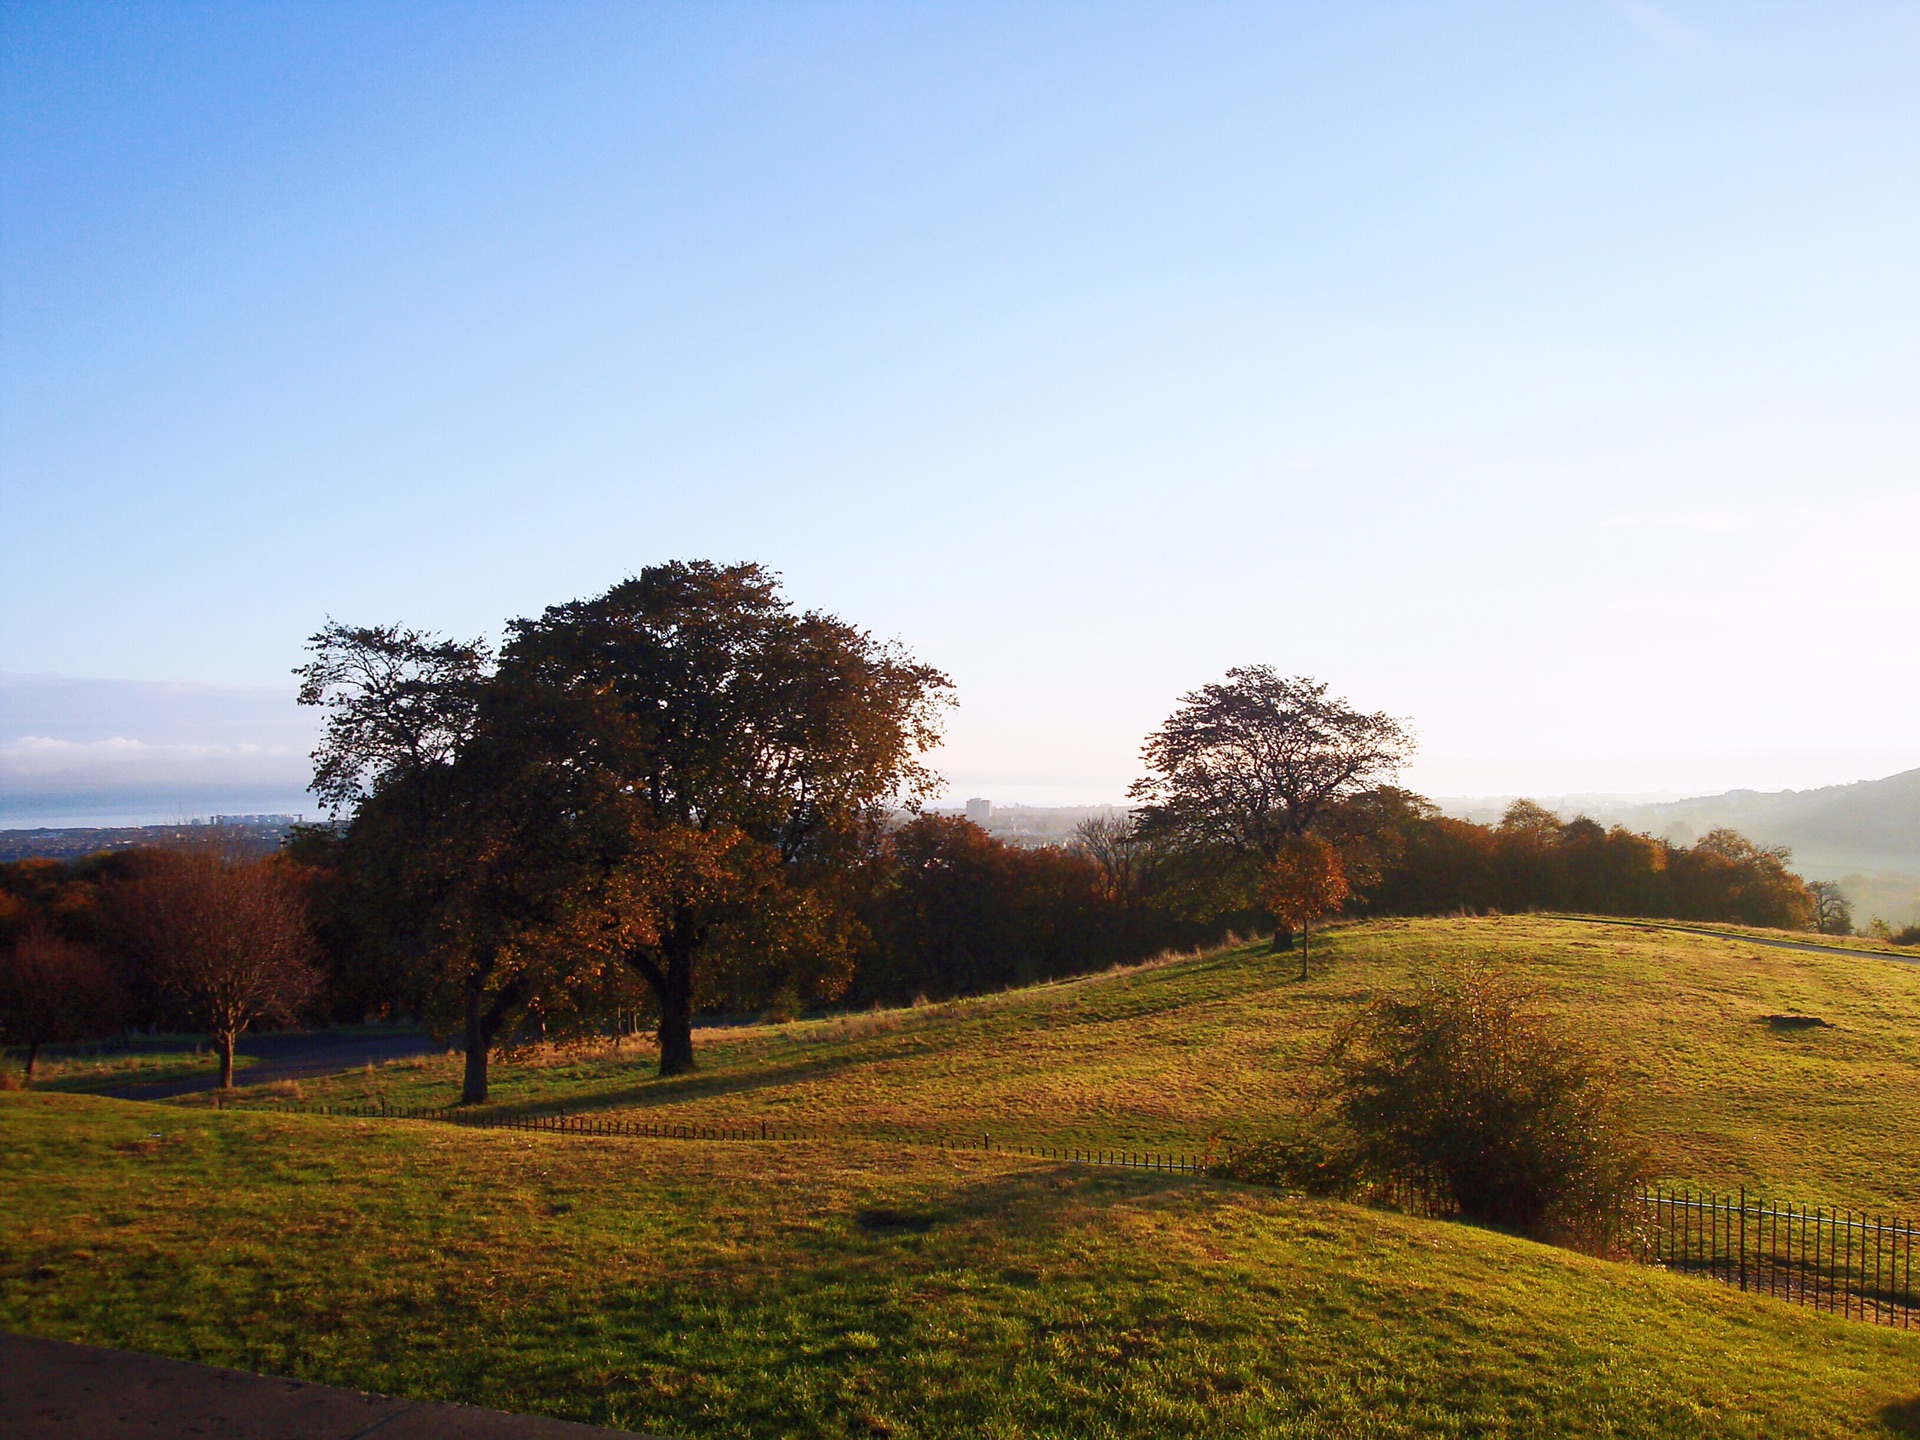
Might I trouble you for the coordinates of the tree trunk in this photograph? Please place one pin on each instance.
(225, 1041)
(1306, 947)
(33, 1053)
(675, 994)
(473, 1087)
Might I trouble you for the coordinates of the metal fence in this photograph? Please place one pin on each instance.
(1843, 1261)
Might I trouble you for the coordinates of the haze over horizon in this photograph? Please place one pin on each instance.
(1543, 377)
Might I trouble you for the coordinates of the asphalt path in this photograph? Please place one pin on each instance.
(52, 1390)
(292, 1055)
(1808, 946)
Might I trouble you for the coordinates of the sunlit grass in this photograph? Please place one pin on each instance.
(1165, 1056)
(853, 1288)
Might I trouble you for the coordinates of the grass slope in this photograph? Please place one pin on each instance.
(853, 1288)
(1165, 1056)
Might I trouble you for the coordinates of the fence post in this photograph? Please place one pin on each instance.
(1743, 1237)
(1846, 1275)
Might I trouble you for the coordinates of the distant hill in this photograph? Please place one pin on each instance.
(1871, 826)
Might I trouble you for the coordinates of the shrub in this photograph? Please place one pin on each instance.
(1469, 1094)
(1308, 1157)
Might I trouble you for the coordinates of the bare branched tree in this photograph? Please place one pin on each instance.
(1110, 842)
(1832, 914)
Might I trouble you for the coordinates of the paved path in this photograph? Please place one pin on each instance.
(1808, 946)
(51, 1389)
(290, 1056)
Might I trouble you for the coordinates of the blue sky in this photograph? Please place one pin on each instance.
(1544, 374)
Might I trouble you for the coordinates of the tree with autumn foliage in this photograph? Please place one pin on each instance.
(224, 936)
(735, 752)
(1245, 767)
(1304, 881)
(54, 989)
(456, 848)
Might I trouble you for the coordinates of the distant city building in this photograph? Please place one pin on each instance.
(979, 811)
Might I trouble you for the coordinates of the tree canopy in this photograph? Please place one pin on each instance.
(733, 747)
(1252, 762)
(1246, 766)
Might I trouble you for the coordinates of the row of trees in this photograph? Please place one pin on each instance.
(682, 795)
(1532, 860)
(204, 937)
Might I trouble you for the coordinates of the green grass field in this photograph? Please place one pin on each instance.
(1166, 1055)
(864, 1282)
(859, 1288)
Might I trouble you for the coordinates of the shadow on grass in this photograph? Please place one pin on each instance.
(654, 1092)
(1902, 1417)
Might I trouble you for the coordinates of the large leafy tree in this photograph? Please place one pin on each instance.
(728, 751)
(456, 840)
(1245, 767)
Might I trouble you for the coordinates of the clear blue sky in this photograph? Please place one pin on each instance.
(1549, 375)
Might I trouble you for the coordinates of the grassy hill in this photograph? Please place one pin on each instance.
(863, 1288)
(1166, 1055)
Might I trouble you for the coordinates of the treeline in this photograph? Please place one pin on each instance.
(935, 907)
(1532, 860)
(211, 937)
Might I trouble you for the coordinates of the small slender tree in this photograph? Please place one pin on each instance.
(1304, 881)
(223, 936)
(52, 990)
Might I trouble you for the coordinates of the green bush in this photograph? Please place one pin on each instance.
(1468, 1094)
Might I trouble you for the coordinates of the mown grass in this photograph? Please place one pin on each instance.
(1165, 1056)
(857, 1288)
